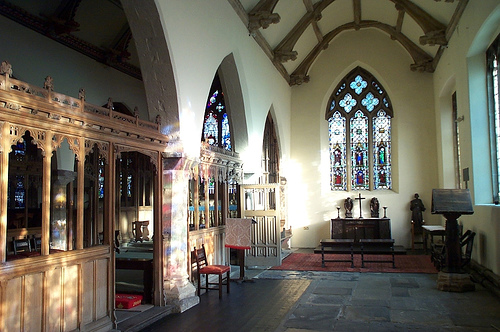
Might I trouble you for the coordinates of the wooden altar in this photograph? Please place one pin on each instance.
(360, 228)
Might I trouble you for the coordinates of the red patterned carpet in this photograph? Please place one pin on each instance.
(312, 262)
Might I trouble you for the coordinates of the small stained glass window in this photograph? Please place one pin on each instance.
(216, 127)
(359, 151)
(359, 123)
(337, 128)
(101, 176)
(382, 151)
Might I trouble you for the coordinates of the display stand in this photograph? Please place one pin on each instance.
(452, 203)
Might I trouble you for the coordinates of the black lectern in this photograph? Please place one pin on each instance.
(452, 203)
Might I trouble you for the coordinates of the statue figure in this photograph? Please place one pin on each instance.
(348, 204)
(374, 207)
(417, 207)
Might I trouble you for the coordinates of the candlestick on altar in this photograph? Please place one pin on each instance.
(338, 212)
(385, 211)
(360, 211)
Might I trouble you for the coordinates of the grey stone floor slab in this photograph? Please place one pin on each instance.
(342, 301)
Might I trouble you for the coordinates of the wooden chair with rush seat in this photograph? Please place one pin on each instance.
(202, 267)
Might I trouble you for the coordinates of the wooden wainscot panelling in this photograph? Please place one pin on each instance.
(213, 238)
(88, 307)
(70, 297)
(101, 277)
(60, 292)
(12, 304)
(33, 304)
(53, 294)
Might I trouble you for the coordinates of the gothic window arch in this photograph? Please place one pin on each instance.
(359, 119)
(493, 80)
(216, 128)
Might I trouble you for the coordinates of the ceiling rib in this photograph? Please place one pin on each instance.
(284, 51)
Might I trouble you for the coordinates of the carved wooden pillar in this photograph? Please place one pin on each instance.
(4, 180)
(177, 288)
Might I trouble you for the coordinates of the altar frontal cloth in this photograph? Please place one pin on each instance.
(238, 232)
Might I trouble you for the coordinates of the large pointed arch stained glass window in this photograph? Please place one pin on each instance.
(216, 128)
(359, 123)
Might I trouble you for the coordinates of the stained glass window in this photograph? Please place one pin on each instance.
(382, 151)
(216, 128)
(359, 151)
(337, 127)
(359, 122)
(101, 176)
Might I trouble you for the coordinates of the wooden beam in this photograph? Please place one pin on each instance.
(432, 28)
(456, 18)
(423, 61)
(356, 4)
(317, 31)
(261, 41)
(285, 47)
(401, 16)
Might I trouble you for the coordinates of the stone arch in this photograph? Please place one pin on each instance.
(156, 66)
(230, 80)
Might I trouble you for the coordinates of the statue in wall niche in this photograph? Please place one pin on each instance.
(348, 204)
(417, 207)
(374, 207)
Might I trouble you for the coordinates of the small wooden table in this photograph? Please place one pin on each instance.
(379, 247)
(431, 231)
(336, 243)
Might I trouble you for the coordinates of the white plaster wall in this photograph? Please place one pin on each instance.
(312, 203)
(463, 63)
(34, 57)
(199, 35)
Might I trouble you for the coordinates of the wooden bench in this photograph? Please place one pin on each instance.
(378, 247)
(336, 243)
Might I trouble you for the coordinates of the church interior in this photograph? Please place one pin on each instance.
(134, 131)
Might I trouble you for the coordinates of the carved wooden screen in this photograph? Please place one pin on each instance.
(261, 202)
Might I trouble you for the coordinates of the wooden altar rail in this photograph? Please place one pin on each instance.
(23, 97)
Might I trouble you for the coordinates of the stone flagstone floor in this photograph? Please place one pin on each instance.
(340, 301)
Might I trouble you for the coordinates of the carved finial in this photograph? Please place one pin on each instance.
(48, 84)
(423, 66)
(262, 19)
(81, 94)
(110, 104)
(298, 79)
(285, 56)
(434, 37)
(6, 69)
(136, 112)
(158, 119)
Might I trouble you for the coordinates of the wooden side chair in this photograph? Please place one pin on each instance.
(37, 243)
(466, 240)
(199, 256)
(22, 247)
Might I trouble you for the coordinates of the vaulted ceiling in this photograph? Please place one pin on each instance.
(292, 33)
